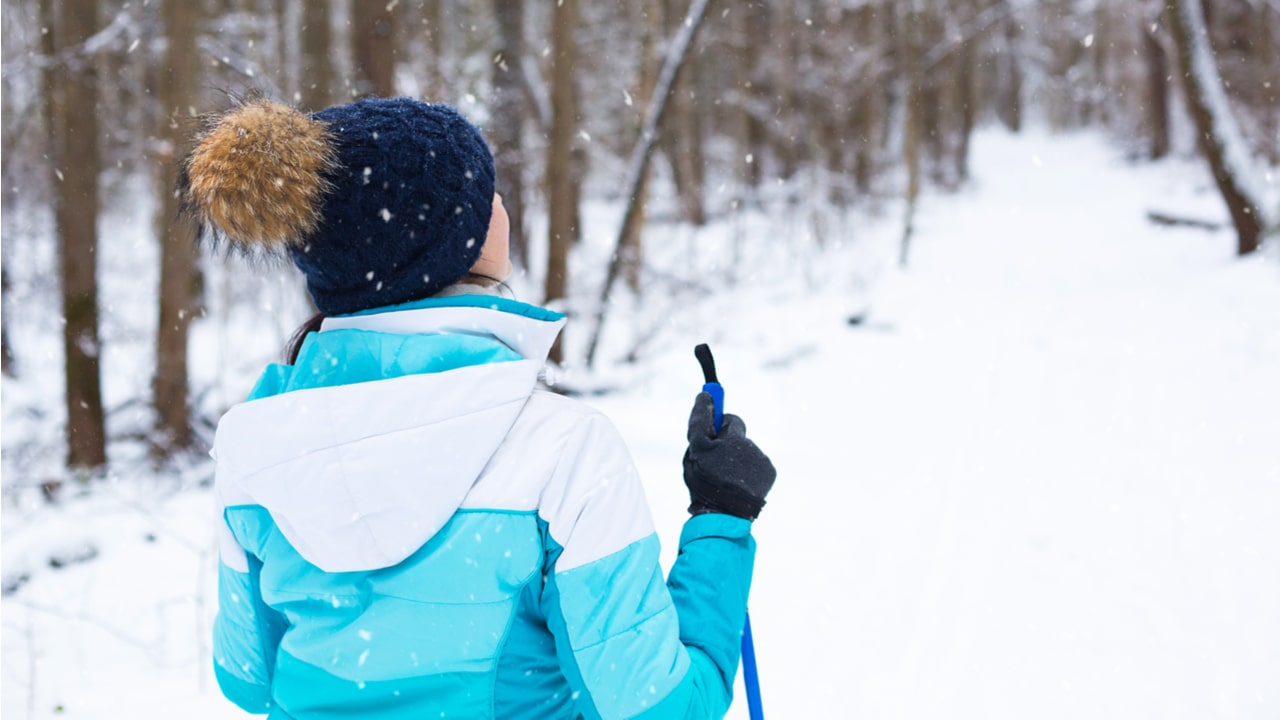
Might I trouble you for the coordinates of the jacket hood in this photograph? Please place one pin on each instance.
(359, 476)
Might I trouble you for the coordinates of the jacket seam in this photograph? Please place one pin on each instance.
(628, 629)
(506, 637)
(337, 445)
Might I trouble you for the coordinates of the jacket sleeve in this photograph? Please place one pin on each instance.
(631, 645)
(246, 632)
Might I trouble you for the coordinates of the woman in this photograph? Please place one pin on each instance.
(410, 527)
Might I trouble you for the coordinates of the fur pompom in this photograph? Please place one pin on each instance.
(258, 175)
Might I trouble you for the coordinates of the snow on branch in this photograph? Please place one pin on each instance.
(74, 56)
(1219, 135)
(975, 28)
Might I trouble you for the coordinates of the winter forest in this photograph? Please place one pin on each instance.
(995, 282)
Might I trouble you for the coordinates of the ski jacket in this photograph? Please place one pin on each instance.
(412, 529)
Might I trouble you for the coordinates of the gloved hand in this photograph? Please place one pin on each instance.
(726, 472)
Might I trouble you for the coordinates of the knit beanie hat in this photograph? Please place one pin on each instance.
(378, 202)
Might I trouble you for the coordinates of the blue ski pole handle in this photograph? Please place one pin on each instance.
(712, 386)
(750, 673)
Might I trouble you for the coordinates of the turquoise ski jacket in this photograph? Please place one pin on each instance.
(412, 529)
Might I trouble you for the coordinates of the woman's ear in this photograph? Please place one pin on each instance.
(495, 254)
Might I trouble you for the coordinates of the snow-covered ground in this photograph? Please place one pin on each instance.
(1041, 480)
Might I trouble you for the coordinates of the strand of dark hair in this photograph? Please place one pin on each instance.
(299, 336)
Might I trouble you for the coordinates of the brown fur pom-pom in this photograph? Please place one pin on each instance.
(257, 175)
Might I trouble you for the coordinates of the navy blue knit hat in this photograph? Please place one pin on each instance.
(378, 202)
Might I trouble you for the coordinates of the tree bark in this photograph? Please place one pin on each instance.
(424, 35)
(681, 139)
(1267, 56)
(913, 119)
(868, 107)
(1217, 134)
(966, 100)
(1009, 109)
(179, 276)
(935, 85)
(784, 95)
(316, 79)
(1157, 105)
(1098, 107)
(631, 247)
(889, 15)
(284, 33)
(72, 99)
(563, 213)
(756, 94)
(509, 111)
(7, 365)
(14, 131)
(373, 37)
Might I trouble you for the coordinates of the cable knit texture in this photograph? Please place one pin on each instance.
(412, 198)
(378, 202)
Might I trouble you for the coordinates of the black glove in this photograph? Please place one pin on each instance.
(726, 472)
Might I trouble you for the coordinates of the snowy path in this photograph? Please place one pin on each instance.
(1042, 482)
(1046, 486)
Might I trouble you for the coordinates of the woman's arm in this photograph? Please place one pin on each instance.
(246, 632)
(630, 644)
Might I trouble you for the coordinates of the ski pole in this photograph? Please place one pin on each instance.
(750, 674)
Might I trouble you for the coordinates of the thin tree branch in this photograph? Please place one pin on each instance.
(239, 64)
(74, 56)
(677, 53)
(974, 29)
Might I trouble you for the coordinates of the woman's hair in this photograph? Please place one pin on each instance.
(294, 346)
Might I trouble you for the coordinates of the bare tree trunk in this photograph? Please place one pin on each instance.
(913, 118)
(695, 125)
(52, 97)
(316, 74)
(687, 126)
(681, 139)
(889, 16)
(373, 36)
(786, 144)
(7, 366)
(935, 84)
(562, 220)
(1217, 133)
(72, 100)
(868, 107)
(1009, 108)
(509, 112)
(1097, 105)
(966, 99)
(282, 18)
(1268, 58)
(833, 111)
(630, 246)
(13, 132)
(179, 277)
(433, 14)
(1157, 105)
(755, 94)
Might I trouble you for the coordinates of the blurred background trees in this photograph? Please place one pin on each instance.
(850, 103)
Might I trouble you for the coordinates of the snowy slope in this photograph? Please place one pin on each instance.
(1041, 480)
(1046, 481)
